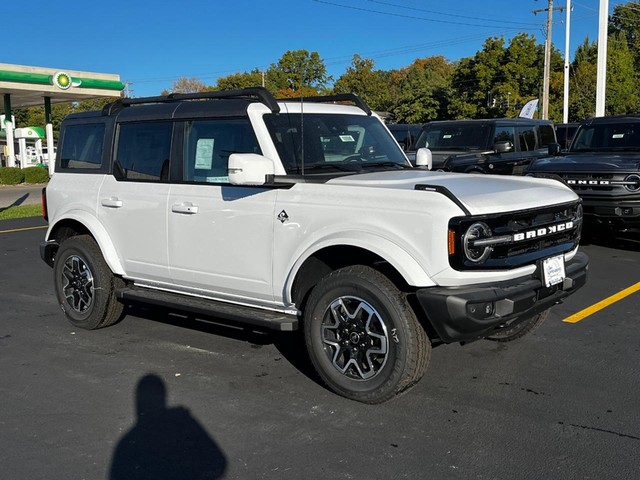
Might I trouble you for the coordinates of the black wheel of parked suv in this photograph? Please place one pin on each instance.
(519, 330)
(363, 338)
(84, 284)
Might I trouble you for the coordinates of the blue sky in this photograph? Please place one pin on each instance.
(152, 43)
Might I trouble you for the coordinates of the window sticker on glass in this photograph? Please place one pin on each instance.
(204, 153)
(347, 138)
(218, 179)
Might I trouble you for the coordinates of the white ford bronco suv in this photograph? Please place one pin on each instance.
(301, 213)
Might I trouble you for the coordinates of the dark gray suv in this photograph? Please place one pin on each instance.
(500, 145)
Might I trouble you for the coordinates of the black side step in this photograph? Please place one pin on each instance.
(236, 313)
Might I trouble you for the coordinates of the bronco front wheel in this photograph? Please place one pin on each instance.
(363, 337)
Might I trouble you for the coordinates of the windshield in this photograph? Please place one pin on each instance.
(333, 142)
(624, 136)
(470, 136)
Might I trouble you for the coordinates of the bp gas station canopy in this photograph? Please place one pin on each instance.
(24, 86)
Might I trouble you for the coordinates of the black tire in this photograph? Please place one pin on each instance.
(84, 284)
(362, 336)
(519, 330)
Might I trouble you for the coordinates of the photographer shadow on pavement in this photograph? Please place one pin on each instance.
(165, 443)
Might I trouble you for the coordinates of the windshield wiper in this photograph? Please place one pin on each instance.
(385, 164)
(333, 166)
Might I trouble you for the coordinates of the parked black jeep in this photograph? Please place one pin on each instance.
(499, 145)
(603, 167)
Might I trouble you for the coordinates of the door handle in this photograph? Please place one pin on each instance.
(112, 202)
(186, 207)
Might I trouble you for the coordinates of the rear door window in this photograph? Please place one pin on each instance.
(547, 135)
(143, 151)
(527, 139)
(82, 146)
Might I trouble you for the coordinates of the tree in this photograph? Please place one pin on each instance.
(582, 94)
(622, 92)
(474, 80)
(422, 91)
(626, 20)
(361, 79)
(186, 85)
(298, 69)
(240, 80)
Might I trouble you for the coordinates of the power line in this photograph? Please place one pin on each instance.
(361, 9)
(500, 22)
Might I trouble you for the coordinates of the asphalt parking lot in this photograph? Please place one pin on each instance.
(161, 395)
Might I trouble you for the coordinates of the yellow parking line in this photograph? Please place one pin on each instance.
(23, 229)
(596, 307)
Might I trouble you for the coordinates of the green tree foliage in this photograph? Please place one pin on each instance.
(622, 91)
(240, 80)
(422, 91)
(582, 87)
(298, 69)
(626, 20)
(361, 79)
(499, 79)
(474, 80)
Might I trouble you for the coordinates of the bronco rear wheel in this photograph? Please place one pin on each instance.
(362, 336)
(84, 284)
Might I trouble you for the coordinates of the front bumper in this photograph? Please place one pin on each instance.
(460, 314)
(619, 215)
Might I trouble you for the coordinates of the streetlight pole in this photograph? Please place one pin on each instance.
(601, 78)
(565, 105)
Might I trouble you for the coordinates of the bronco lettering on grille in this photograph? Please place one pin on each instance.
(542, 232)
(588, 182)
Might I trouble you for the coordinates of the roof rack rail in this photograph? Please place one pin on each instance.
(339, 97)
(262, 94)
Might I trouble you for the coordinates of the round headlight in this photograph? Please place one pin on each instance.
(473, 252)
(633, 182)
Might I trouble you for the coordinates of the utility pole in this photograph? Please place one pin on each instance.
(547, 58)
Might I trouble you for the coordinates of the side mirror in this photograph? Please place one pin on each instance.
(554, 149)
(503, 146)
(249, 169)
(424, 158)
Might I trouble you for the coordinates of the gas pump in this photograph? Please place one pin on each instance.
(30, 145)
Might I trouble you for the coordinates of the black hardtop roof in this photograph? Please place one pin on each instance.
(516, 121)
(611, 119)
(182, 105)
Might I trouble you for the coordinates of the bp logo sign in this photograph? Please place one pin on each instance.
(62, 80)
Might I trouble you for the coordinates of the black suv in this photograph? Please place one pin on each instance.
(500, 145)
(603, 167)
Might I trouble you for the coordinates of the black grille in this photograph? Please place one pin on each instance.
(588, 182)
(519, 238)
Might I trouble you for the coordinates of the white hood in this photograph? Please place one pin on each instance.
(481, 194)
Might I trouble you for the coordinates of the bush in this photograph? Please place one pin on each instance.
(36, 175)
(11, 176)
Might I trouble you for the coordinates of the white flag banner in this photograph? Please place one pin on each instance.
(529, 109)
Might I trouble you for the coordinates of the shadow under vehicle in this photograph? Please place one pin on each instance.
(603, 168)
(500, 145)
